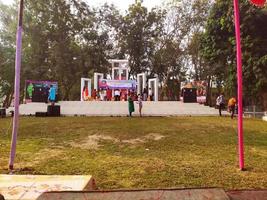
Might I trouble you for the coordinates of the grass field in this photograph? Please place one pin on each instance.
(140, 152)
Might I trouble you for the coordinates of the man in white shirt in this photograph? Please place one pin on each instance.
(117, 95)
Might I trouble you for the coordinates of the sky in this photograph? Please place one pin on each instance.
(121, 4)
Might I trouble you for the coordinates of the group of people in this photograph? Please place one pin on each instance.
(47, 93)
(118, 95)
(131, 106)
(220, 103)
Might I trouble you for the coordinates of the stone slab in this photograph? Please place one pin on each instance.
(29, 187)
(248, 195)
(174, 194)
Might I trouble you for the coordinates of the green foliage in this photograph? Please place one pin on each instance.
(138, 36)
(7, 53)
(218, 47)
(61, 42)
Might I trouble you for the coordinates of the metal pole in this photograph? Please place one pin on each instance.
(16, 87)
(239, 79)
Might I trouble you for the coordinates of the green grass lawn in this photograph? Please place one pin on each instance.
(140, 152)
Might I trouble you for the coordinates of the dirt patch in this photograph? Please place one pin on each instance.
(154, 136)
(151, 136)
(92, 142)
(134, 141)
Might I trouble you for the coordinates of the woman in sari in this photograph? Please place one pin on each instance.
(130, 105)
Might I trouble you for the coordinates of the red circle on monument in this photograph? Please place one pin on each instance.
(259, 3)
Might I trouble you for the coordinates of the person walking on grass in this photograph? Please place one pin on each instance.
(220, 102)
(231, 106)
(130, 105)
(140, 103)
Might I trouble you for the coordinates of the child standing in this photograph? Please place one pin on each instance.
(140, 103)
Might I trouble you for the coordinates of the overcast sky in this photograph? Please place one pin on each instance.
(121, 4)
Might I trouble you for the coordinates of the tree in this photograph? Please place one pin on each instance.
(138, 35)
(7, 53)
(218, 47)
(62, 41)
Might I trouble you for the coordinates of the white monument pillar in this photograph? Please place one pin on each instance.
(154, 85)
(97, 77)
(141, 83)
(86, 82)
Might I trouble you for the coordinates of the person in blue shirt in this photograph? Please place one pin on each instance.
(52, 94)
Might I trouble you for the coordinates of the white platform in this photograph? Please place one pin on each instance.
(98, 108)
(29, 187)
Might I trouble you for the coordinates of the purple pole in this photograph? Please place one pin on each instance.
(239, 79)
(16, 89)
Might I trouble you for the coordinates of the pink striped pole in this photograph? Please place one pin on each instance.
(240, 86)
(16, 88)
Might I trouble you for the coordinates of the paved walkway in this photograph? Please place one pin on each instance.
(30, 187)
(186, 194)
(174, 194)
(248, 195)
(98, 108)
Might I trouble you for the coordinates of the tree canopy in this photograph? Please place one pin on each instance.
(219, 51)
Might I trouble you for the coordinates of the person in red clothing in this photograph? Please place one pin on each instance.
(85, 93)
(109, 94)
(94, 94)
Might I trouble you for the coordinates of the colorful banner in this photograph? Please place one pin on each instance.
(117, 84)
(38, 91)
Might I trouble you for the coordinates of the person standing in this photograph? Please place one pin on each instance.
(52, 95)
(105, 95)
(117, 95)
(85, 93)
(140, 103)
(220, 102)
(150, 94)
(231, 106)
(130, 105)
(30, 90)
(109, 94)
(145, 94)
(94, 94)
(102, 95)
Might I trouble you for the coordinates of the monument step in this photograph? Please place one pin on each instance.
(105, 108)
